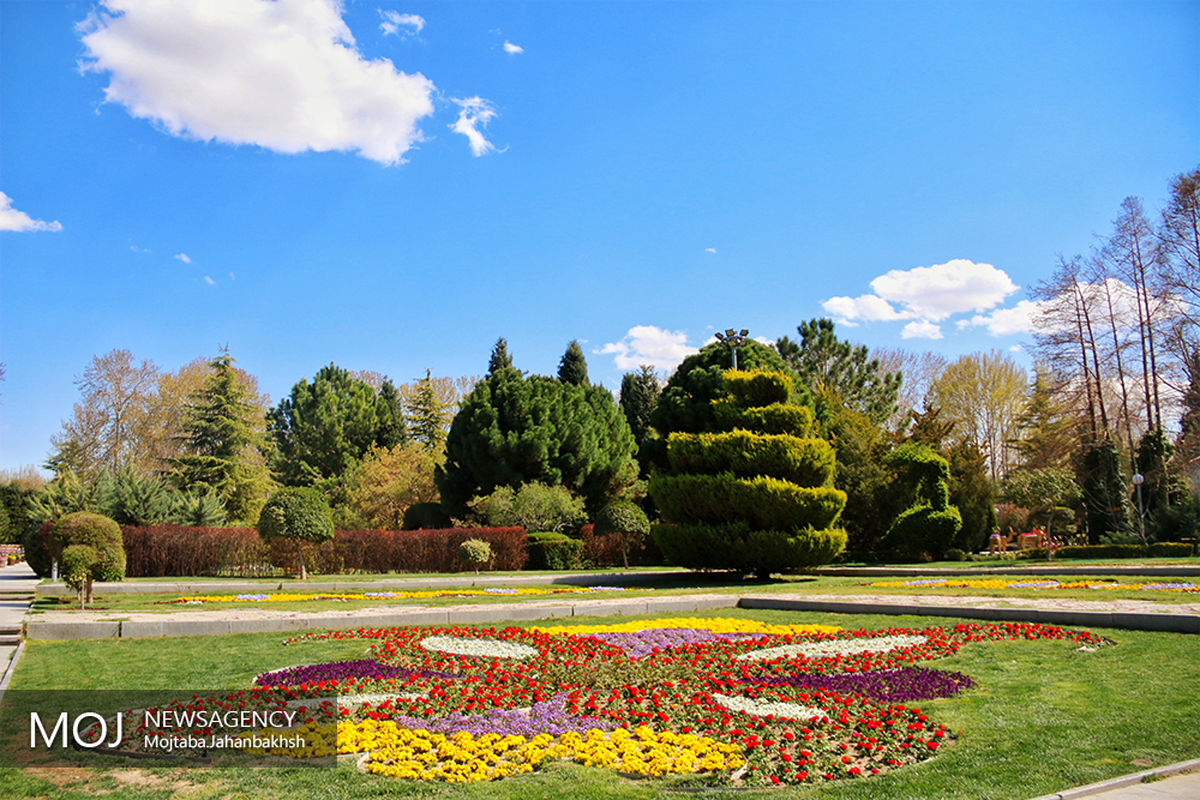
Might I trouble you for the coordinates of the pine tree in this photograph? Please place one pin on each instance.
(500, 359)
(1048, 436)
(573, 366)
(391, 430)
(639, 395)
(428, 415)
(223, 442)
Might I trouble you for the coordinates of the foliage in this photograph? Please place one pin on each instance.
(322, 428)
(382, 487)
(223, 443)
(822, 361)
(511, 430)
(984, 395)
(500, 359)
(1105, 499)
(133, 498)
(930, 524)
(202, 510)
(973, 494)
(97, 551)
(1162, 487)
(779, 516)
(573, 366)
(534, 506)
(639, 395)
(389, 410)
(429, 406)
(554, 551)
(297, 513)
(16, 501)
(39, 552)
(476, 551)
(424, 515)
(1047, 433)
(1176, 522)
(627, 522)
(64, 495)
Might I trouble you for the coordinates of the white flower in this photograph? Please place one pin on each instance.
(762, 708)
(833, 647)
(485, 648)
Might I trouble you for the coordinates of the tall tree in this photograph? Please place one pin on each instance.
(500, 358)
(919, 371)
(573, 366)
(389, 480)
(322, 428)
(430, 404)
(1046, 434)
(1180, 243)
(821, 359)
(110, 426)
(390, 430)
(983, 394)
(224, 442)
(639, 395)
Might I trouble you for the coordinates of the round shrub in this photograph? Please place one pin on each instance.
(476, 551)
(300, 514)
(626, 521)
(97, 550)
(38, 549)
(554, 551)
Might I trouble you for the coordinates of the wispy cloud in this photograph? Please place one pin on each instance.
(474, 113)
(285, 76)
(711, 250)
(648, 344)
(512, 49)
(396, 24)
(209, 281)
(921, 330)
(12, 219)
(184, 257)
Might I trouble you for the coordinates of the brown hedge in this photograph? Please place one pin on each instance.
(180, 551)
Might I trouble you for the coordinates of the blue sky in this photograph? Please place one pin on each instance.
(179, 176)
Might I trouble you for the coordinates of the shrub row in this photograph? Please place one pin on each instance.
(556, 551)
(1156, 550)
(767, 503)
(735, 546)
(775, 418)
(806, 462)
(174, 550)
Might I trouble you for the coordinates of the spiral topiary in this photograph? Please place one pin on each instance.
(756, 492)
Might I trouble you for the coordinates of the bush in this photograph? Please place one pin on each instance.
(534, 507)
(39, 553)
(735, 546)
(297, 513)
(96, 548)
(476, 551)
(807, 462)
(184, 551)
(775, 418)
(925, 530)
(1172, 549)
(765, 502)
(954, 554)
(758, 388)
(627, 522)
(425, 515)
(549, 550)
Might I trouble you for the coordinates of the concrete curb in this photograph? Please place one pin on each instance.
(1123, 781)
(11, 667)
(1058, 568)
(1170, 623)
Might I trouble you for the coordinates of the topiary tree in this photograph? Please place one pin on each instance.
(476, 551)
(627, 522)
(89, 548)
(298, 513)
(755, 491)
(931, 523)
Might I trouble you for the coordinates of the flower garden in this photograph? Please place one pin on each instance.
(289, 597)
(725, 701)
(1000, 583)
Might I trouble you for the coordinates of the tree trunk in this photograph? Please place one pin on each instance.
(300, 556)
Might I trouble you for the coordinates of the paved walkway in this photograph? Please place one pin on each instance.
(1148, 785)
(17, 584)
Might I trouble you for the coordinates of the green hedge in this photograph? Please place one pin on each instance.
(775, 418)
(921, 531)
(767, 503)
(1172, 549)
(758, 388)
(735, 546)
(807, 462)
(557, 551)
(1157, 550)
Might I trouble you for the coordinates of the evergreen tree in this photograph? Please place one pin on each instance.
(1047, 436)
(686, 403)
(820, 359)
(500, 359)
(428, 414)
(323, 428)
(1162, 487)
(1105, 498)
(573, 366)
(390, 412)
(223, 444)
(639, 395)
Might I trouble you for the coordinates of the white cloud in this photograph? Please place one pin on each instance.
(184, 257)
(280, 74)
(867, 308)
(936, 292)
(648, 344)
(12, 219)
(711, 250)
(231, 277)
(394, 21)
(512, 49)
(209, 281)
(1021, 318)
(922, 329)
(474, 113)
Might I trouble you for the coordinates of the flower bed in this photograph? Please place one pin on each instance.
(1000, 583)
(733, 702)
(286, 597)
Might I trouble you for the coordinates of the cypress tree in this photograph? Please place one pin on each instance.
(427, 413)
(639, 395)
(500, 359)
(390, 430)
(573, 366)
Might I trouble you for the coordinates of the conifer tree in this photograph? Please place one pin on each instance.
(639, 395)
(428, 414)
(573, 366)
(224, 443)
(500, 358)
(388, 408)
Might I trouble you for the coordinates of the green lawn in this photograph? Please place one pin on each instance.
(1043, 718)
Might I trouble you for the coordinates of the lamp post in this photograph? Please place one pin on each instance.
(733, 341)
(1138, 480)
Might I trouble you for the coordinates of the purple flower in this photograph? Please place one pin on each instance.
(896, 685)
(641, 643)
(547, 716)
(340, 670)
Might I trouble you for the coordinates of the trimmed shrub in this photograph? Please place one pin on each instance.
(765, 502)
(735, 546)
(39, 551)
(1172, 549)
(758, 388)
(420, 516)
(926, 529)
(476, 551)
(182, 551)
(534, 507)
(775, 418)
(300, 514)
(96, 551)
(627, 522)
(807, 462)
(555, 551)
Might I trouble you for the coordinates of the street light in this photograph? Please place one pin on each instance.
(733, 341)
(1138, 480)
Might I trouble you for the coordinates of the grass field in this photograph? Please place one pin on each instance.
(1044, 717)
